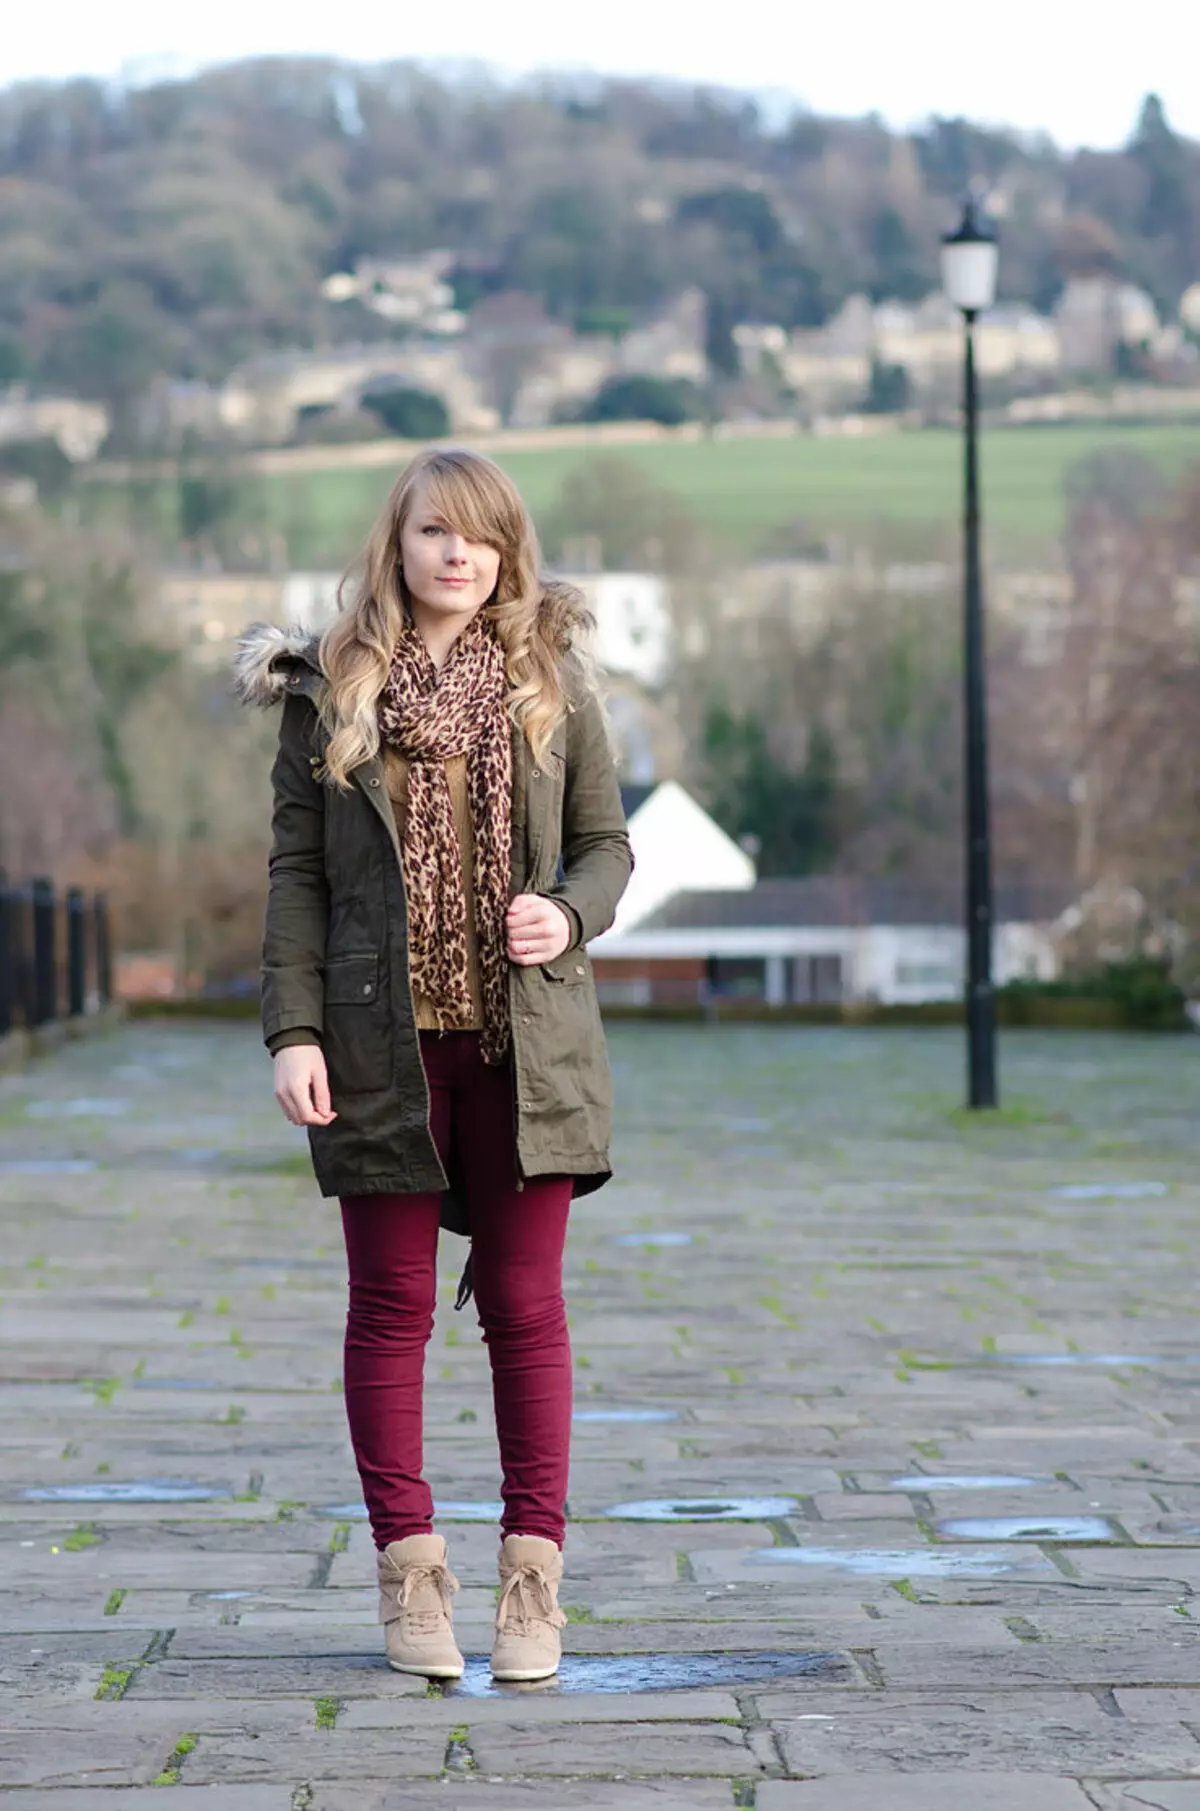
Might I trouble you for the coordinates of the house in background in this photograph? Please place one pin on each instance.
(675, 845)
(820, 940)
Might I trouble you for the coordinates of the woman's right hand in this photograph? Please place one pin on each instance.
(302, 1085)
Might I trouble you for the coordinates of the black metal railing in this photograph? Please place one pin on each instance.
(55, 954)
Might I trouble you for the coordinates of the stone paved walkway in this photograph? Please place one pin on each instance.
(908, 1410)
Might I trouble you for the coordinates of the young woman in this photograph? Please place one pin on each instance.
(447, 837)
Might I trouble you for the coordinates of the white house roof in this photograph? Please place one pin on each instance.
(675, 845)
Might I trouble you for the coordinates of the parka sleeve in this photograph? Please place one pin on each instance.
(293, 955)
(597, 858)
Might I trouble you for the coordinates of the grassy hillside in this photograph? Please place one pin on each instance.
(744, 491)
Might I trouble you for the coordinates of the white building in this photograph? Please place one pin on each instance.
(675, 845)
(410, 292)
(816, 940)
(1094, 315)
(309, 599)
(80, 428)
(634, 635)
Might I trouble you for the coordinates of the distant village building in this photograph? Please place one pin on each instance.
(203, 612)
(634, 634)
(266, 398)
(821, 941)
(408, 292)
(173, 410)
(567, 373)
(78, 428)
(671, 345)
(570, 368)
(1094, 315)
(676, 845)
(830, 366)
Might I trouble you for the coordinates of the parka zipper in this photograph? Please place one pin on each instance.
(516, 1090)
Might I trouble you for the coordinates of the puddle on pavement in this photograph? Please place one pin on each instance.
(880, 1562)
(960, 1481)
(446, 1512)
(286, 1263)
(625, 1415)
(1029, 1528)
(47, 1166)
(653, 1673)
(76, 1109)
(702, 1509)
(653, 1238)
(1109, 1191)
(1070, 1359)
(138, 1490)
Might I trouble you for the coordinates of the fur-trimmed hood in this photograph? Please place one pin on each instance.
(270, 661)
(267, 657)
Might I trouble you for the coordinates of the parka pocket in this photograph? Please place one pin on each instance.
(356, 1040)
(565, 1043)
(570, 970)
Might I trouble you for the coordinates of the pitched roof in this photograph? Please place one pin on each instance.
(836, 900)
(633, 796)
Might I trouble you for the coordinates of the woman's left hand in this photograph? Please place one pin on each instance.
(538, 930)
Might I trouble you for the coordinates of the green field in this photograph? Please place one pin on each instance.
(746, 491)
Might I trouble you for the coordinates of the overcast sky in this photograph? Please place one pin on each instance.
(1075, 70)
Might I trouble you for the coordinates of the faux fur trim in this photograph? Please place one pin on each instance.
(257, 678)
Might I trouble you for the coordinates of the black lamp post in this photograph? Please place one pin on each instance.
(969, 256)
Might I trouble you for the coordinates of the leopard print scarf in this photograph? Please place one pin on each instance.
(429, 718)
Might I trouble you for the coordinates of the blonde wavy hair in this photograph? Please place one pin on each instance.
(542, 624)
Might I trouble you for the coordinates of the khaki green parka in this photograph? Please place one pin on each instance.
(335, 944)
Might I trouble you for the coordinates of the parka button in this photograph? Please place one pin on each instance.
(367, 987)
(525, 1019)
(579, 969)
(373, 782)
(536, 774)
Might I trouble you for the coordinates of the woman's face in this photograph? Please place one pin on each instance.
(446, 575)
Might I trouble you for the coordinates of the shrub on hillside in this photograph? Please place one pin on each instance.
(669, 400)
(409, 413)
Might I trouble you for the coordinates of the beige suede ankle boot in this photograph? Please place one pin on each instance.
(415, 1589)
(527, 1644)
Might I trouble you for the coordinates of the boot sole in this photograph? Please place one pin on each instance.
(524, 1675)
(427, 1672)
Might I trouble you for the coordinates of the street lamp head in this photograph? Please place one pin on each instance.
(969, 257)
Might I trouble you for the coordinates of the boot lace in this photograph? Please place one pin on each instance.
(423, 1621)
(528, 1596)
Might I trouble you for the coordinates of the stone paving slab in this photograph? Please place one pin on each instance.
(976, 1399)
(937, 1739)
(558, 1795)
(940, 1791)
(148, 1798)
(1146, 1795)
(317, 1754)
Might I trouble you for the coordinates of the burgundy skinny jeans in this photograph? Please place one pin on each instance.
(517, 1238)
